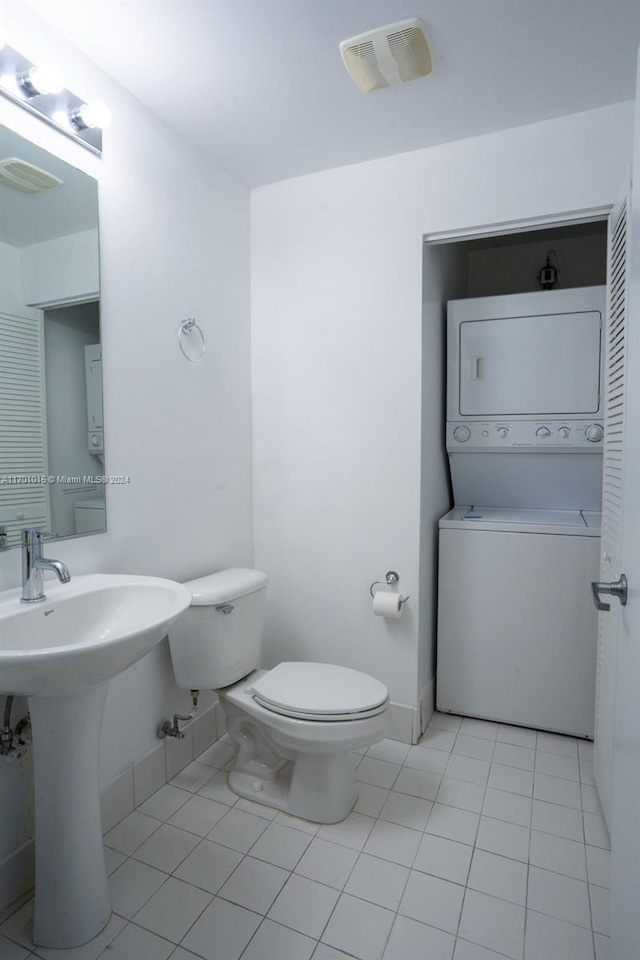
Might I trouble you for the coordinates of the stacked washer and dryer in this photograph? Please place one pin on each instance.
(517, 631)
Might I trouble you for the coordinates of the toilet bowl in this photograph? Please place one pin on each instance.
(295, 726)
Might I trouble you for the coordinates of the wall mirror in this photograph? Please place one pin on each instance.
(51, 431)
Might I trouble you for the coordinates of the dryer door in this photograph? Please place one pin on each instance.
(536, 366)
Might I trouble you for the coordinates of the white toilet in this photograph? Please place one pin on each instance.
(295, 725)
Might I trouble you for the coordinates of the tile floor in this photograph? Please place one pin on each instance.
(484, 841)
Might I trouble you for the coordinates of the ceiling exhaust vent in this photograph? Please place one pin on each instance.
(388, 56)
(24, 176)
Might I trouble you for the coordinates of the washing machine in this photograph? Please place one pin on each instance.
(517, 632)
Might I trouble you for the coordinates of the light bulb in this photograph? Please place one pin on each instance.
(95, 114)
(42, 79)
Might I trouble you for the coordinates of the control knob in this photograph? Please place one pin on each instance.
(543, 432)
(564, 432)
(594, 433)
(461, 433)
(503, 432)
(95, 440)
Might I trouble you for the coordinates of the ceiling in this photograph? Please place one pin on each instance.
(259, 85)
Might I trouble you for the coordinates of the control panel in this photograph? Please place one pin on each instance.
(524, 434)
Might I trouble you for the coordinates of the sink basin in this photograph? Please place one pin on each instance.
(85, 632)
(61, 654)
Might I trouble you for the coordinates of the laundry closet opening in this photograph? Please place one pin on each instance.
(510, 503)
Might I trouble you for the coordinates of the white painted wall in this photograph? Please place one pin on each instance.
(174, 234)
(61, 270)
(339, 437)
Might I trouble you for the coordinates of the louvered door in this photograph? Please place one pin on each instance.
(23, 433)
(612, 492)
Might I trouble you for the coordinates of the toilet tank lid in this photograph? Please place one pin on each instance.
(225, 586)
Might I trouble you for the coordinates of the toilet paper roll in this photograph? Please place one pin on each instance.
(387, 604)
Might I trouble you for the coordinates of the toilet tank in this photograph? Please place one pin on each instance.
(217, 640)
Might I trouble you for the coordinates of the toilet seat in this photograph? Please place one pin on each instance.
(319, 691)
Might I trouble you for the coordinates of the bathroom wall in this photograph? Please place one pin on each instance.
(339, 439)
(174, 233)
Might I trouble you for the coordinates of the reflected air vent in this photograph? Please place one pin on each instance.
(388, 56)
(26, 177)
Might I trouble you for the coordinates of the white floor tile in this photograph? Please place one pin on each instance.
(512, 807)
(445, 721)
(417, 783)
(556, 790)
(324, 952)
(512, 755)
(131, 885)
(222, 931)
(518, 736)
(12, 951)
(164, 802)
(554, 765)
(511, 779)
(499, 877)
(306, 826)
(131, 832)
(112, 859)
(427, 759)
(433, 901)
(192, 777)
(327, 863)
(599, 897)
(557, 743)
(273, 940)
(254, 885)
(493, 923)
(166, 848)
(358, 928)
(138, 943)
(391, 750)
(479, 728)
(558, 855)
(219, 754)
(453, 824)
(379, 773)
(505, 839)
(370, 799)
(217, 788)
(282, 846)
(392, 842)
(442, 858)
(256, 809)
(409, 938)
(209, 866)
(461, 794)
(586, 772)
(560, 821)
(350, 832)
(378, 881)
(438, 739)
(558, 896)
(598, 865)
(89, 951)
(476, 747)
(603, 947)
(198, 815)
(173, 909)
(548, 937)
(472, 951)
(467, 768)
(238, 830)
(406, 810)
(595, 830)
(304, 905)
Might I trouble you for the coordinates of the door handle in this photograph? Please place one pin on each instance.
(616, 589)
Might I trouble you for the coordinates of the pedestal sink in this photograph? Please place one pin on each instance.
(61, 654)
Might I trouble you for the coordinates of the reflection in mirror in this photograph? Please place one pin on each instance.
(51, 435)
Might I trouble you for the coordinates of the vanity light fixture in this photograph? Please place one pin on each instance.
(39, 88)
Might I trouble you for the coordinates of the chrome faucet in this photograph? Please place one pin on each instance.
(33, 563)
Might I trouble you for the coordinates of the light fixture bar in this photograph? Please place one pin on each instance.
(57, 109)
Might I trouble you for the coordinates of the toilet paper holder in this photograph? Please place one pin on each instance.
(390, 578)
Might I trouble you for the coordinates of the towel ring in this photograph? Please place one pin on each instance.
(191, 340)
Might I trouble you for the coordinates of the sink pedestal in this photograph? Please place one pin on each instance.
(72, 903)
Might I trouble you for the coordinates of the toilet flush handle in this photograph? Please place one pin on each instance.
(226, 608)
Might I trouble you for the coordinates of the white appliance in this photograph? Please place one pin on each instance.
(516, 627)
